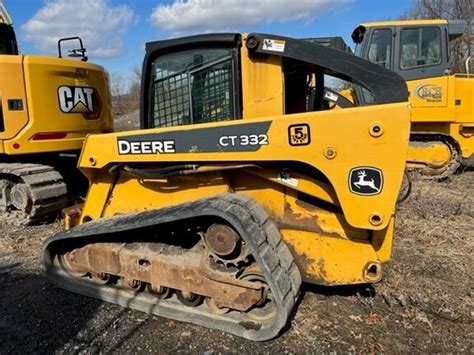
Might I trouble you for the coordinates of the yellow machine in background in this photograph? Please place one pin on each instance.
(442, 131)
(240, 187)
(47, 106)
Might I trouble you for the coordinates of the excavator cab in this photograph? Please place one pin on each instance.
(414, 49)
(238, 187)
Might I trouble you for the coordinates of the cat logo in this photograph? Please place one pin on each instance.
(76, 99)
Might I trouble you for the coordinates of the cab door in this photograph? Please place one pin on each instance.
(421, 59)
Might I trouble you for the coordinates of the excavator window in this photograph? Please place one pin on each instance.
(193, 86)
(380, 48)
(420, 47)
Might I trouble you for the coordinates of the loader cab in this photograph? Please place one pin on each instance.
(191, 80)
(414, 49)
(222, 77)
(8, 44)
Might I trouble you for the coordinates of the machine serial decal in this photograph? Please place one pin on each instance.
(299, 134)
(366, 181)
(248, 137)
(429, 92)
(145, 147)
(76, 99)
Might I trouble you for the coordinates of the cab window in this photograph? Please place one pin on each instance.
(420, 47)
(380, 48)
(193, 86)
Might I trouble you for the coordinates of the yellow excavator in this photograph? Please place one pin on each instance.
(47, 107)
(442, 130)
(238, 187)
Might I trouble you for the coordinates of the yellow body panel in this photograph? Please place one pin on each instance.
(322, 124)
(36, 81)
(12, 86)
(440, 105)
(331, 247)
(431, 93)
(447, 109)
(263, 83)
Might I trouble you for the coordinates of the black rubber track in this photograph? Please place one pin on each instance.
(242, 213)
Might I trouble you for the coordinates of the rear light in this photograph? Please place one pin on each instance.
(49, 135)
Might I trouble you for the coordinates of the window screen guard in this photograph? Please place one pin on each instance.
(202, 91)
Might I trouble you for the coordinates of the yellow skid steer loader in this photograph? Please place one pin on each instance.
(238, 188)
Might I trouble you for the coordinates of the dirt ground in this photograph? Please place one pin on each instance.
(424, 303)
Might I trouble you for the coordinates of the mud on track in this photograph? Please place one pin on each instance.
(424, 303)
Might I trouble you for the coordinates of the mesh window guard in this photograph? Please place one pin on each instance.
(193, 87)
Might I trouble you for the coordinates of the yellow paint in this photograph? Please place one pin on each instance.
(12, 86)
(325, 225)
(25, 77)
(262, 86)
(449, 111)
(405, 23)
(335, 246)
(437, 154)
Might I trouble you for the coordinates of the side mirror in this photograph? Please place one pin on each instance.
(73, 53)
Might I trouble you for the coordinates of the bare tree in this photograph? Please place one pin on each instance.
(460, 48)
(135, 87)
(136, 72)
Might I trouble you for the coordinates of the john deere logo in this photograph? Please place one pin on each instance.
(365, 181)
(429, 92)
(75, 99)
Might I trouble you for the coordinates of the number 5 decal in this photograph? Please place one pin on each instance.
(299, 134)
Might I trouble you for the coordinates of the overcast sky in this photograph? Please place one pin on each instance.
(115, 31)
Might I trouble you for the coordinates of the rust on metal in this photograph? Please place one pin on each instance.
(165, 266)
(221, 239)
(295, 221)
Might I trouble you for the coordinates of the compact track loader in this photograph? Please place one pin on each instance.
(442, 130)
(47, 106)
(238, 188)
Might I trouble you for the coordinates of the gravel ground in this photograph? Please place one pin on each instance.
(423, 304)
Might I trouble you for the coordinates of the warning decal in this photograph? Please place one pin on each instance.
(274, 45)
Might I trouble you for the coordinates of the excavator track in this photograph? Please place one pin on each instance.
(246, 285)
(438, 172)
(31, 191)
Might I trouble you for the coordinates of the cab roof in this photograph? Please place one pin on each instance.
(404, 23)
(456, 28)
